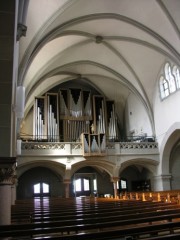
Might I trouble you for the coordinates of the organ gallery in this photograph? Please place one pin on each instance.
(75, 115)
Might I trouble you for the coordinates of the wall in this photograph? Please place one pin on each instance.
(166, 113)
(174, 168)
(136, 117)
(8, 73)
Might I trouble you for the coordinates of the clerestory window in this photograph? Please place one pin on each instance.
(169, 81)
(164, 87)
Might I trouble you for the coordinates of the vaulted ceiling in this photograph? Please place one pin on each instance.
(117, 46)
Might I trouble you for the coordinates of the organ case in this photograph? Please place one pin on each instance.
(66, 115)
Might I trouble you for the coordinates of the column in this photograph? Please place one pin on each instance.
(67, 183)
(7, 172)
(115, 181)
(13, 190)
(5, 203)
(162, 182)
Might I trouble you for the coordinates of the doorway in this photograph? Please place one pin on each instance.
(41, 189)
(85, 184)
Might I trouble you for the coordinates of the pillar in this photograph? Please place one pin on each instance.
(115, 181)
(8, 80)
(67, 184)
(7, 172)
(5, 204)
(13, 190)
(162, 182)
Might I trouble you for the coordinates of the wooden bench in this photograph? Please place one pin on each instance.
(90, 224)
(130, 228)
(65, 213)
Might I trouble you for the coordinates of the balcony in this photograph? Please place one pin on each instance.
(37, 148)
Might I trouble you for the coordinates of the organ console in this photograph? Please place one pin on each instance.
(76, 114)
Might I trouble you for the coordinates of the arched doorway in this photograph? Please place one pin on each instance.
(135, 178)
(91, 181)
(40, 181)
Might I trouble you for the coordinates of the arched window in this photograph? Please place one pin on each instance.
(164, 87)
(176, 73)
(169, 81)
(170, 78)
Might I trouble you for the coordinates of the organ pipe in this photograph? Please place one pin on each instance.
(39, 121)
(94, 145)
(76, 117)
(76, 107)
(52, 115)
(87, 108)
(112, 125)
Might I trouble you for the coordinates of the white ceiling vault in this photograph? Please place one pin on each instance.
(117, 46)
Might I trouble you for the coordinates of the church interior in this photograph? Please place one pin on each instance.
(89, 99)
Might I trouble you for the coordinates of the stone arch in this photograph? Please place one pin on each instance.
(57, 168)
(39, 175)
(138, 173)
(103, 165)
(170, 140)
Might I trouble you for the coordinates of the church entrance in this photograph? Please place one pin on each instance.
(85, 184)
(41, 189)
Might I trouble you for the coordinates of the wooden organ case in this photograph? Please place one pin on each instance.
(74, 115)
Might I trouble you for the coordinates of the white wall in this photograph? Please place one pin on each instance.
(136, 117)
(174, 169)
(166, 113)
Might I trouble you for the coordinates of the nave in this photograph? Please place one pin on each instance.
(150, 216)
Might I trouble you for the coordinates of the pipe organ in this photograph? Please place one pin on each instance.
(46, 118)
(99, 114)
(94, 144)
(112, 122)
(76, 114)
(52, 117)
(39, 118)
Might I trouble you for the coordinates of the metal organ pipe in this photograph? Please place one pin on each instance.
(39, 126)
(75, 108)
(112, 128)
(52, 125)
(94, 145)
(35, 119)
(101, 120)
(63, 107)
(103, 144)
(87, 109)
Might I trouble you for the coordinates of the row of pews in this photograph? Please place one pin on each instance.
(96, 218)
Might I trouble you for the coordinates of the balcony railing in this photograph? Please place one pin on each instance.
(76, 148)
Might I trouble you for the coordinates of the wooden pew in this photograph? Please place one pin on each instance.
(131, 228)
(57, 214)
(89, 224)
(84, 214)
